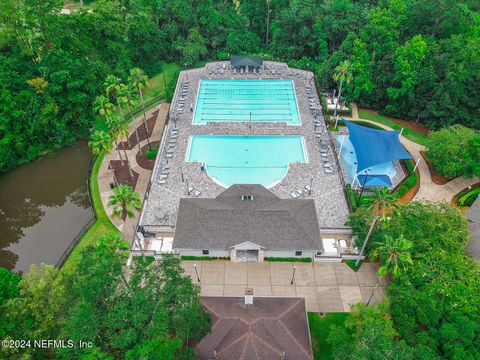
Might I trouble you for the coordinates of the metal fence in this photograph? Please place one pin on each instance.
(87, 226)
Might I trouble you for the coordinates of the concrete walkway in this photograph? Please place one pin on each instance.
(326, 287)
(428, 189)
(105, 176)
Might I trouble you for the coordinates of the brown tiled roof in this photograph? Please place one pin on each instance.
(268, 329)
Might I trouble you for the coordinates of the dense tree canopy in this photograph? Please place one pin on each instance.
(435, 304)
(152, 314)
(410, 58)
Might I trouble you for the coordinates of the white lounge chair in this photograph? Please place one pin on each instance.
(196, 193)
(293, 194)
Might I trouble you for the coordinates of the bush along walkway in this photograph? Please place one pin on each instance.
(156, 118)
(428, 189)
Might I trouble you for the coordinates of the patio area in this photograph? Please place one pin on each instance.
(174, 177)
(326, 287)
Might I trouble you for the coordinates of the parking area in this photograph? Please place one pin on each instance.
(326, 287)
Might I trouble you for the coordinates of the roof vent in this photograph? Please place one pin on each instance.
(247, 197)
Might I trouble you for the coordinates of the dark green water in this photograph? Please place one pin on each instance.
(43, 206)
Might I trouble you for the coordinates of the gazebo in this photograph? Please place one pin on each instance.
(246, 61)
(374, 147)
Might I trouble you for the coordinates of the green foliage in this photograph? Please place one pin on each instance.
(368, 333)
(152, 314)
(468, 198)
(152, 153)
(409, 183)
(455, 151)
(438, 295)
(288, 259)
(204, 258)
(408, 58)
(320, 328)
(124, 200)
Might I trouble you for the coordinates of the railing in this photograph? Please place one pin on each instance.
(87, 226)
(74, 242)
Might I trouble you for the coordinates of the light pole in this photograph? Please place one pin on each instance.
(293, 275)
(196, 272)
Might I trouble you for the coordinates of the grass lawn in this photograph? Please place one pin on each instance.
(319, 330)
(156, 85)
(100, 227)
(408, 133)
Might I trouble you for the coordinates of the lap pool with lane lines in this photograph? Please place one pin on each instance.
(245, 101)
(246, 159)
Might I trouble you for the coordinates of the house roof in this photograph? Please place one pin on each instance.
(473, 247)
(267, 220)
(264, 330)
(239, 61)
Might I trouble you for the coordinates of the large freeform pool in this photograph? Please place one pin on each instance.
(376, 173)
(245, 101)
(246, 159)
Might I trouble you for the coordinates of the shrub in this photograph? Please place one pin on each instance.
(455, 151)
(288, 259)
(152, 153)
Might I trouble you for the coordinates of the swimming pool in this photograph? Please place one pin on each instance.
(246, 159)
(349, 159)
(245, 101)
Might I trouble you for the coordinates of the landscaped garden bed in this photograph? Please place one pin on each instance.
(143, 158)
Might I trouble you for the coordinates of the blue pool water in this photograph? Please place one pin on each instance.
(246, 159)
(350, 164)
(246, 100)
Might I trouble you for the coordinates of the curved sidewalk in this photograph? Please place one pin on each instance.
(105, 176)
(428, 189)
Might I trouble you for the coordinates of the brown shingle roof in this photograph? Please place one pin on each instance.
(267, 220)
(264, 330)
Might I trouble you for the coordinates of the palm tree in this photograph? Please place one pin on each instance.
(121, 98)
(342, 74)
(381, 202)
(124, 200)
(111, 84)
(102, 106)
(100, 141)
(118, 128)
(128, 93)
(395, 257)
(138, 80)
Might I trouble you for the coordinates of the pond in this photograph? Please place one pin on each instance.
(43, 206)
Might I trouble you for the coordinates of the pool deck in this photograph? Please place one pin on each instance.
(327, 189)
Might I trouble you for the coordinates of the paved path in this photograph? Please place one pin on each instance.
(105, 176)
(428, 189)
(326, 287)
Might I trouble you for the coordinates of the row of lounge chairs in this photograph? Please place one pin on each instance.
(301, 191)
(324, 153)
(170, 145)
(183, 95)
